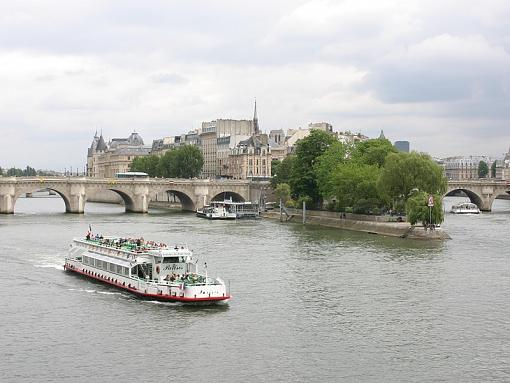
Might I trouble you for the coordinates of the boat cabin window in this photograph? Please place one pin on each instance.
(172, 259)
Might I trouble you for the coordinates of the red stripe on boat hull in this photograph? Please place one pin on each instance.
(158, 297)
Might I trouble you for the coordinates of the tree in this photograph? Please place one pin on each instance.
(335, 155)
(167, 165)
(190, 161)
(282, 171)
(483, 169)
(372, 152)
(404, 172)
(355, 185)
(183, 162)
(303, 180)
(282, 192)
(14, 172)
(146, 164)
(274, 166)
(417, 209)
(29, 172)
(1, 171)
(493, 169)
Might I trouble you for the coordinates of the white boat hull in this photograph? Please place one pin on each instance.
(167, 292)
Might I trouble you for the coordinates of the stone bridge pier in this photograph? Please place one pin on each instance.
(7, 199)
(138, 200)
(76, 198)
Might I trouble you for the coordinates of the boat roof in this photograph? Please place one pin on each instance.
(130, 247)
(470, 204)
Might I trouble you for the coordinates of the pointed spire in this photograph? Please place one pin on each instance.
(381, 136)
(101, 145)
(255, 120)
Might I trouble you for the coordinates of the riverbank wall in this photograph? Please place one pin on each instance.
(362, 223)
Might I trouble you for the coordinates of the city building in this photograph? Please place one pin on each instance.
(219, 137)
(105, 160)
(464, 168)
(278, 136)
(402, 146)
(350, 138)
(251, 158)
(327, 127)
(503, 167)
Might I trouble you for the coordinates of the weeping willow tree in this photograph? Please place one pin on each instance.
(418, 209)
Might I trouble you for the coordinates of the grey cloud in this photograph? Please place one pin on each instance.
(443, 68)
(169, 78)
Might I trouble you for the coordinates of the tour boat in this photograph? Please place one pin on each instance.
(228, 209)
(216, 211)
(147, 269)
(465, 208)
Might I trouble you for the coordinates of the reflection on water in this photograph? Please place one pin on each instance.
(310, 303)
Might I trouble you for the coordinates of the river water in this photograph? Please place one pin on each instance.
(310, 304)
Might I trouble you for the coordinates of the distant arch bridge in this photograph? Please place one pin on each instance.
(136, 193)
(480, 192)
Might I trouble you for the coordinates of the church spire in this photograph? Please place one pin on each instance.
(381, 136)
(256, 129)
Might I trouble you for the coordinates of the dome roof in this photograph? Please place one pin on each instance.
(135, 139)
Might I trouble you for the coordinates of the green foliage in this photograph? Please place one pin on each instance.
(372, 152)
(404, 172)
(189, 161)
(274, 166)
(14, 172)
(335, 155)
(483, 169)
(167, 165)
(146, 164)
(1, 171)
(355, 185)
(282, 192)
(304, 199)
(493, 169)
(303, 179)
(183, 162)
(29, 171)
(417, 209)
(282, 170)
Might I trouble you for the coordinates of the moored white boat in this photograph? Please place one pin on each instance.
(216, 211)
(465, 208)
(146, 269)
(228, 209)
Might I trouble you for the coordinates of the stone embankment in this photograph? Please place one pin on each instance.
(362, 223)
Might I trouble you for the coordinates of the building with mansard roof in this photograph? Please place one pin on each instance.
(251, 158)
(106, 160)
(217, 138)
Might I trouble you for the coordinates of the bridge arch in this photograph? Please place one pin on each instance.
(128, 200)
(186, 201)
(37, 188)
(473, 197)
(227, 195)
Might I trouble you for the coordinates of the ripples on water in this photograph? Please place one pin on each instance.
(310, 304)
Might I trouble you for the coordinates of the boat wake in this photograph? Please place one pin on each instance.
(164, 303)
(97, 292)
(50, 266)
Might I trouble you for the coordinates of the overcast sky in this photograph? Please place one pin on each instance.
(436, 73)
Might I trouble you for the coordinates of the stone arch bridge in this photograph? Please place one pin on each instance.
(136, 193)
(480, 192)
